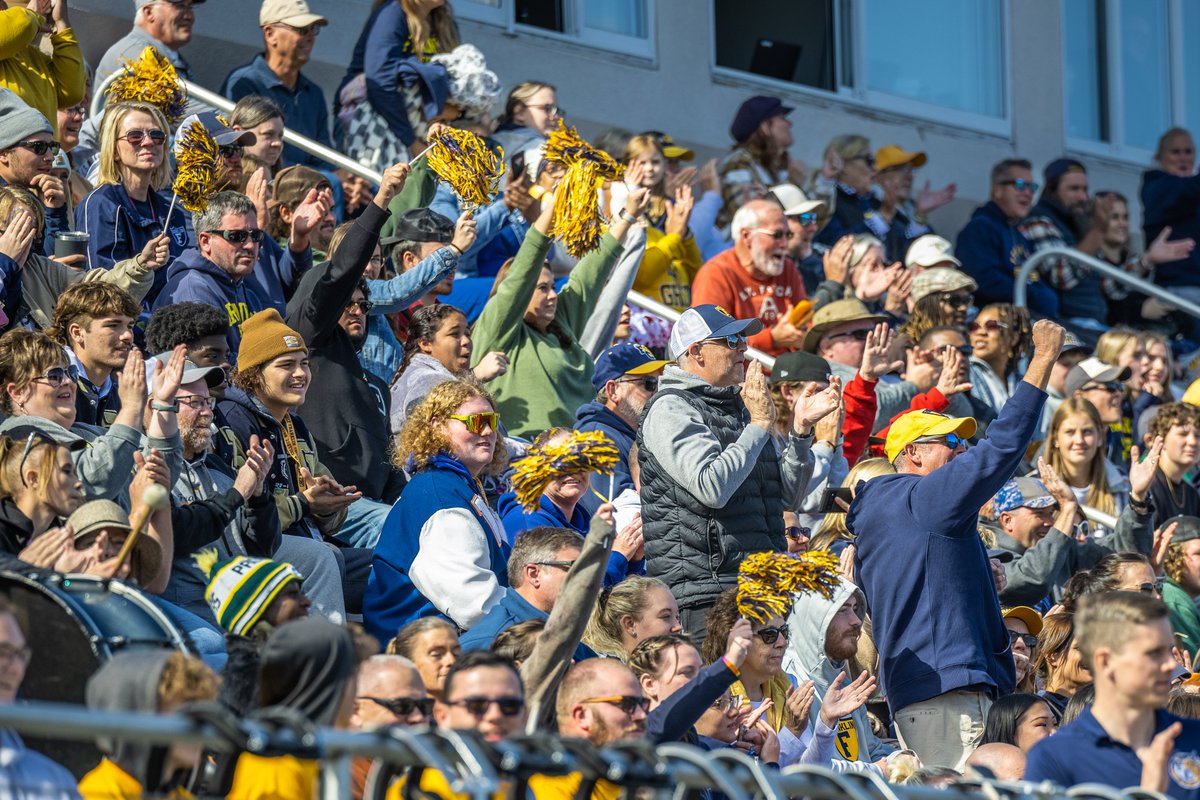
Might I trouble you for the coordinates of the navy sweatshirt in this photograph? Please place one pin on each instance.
(992, 250)
(1175, 201)
(925, 571)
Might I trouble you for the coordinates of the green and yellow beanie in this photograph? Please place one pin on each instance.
(241, 589)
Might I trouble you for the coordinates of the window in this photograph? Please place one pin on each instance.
(1129, 72)
(622, 25)
(864, 51)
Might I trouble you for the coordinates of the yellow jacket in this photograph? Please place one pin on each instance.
(107, 781)
(43, 82)
(259, 778)
(775, 690)
(667, 268)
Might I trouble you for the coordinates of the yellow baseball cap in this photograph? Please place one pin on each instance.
(1031, 618)
(891, 155)
(917, 424)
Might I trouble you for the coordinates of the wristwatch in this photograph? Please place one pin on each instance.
(172, 407)
(625, 215)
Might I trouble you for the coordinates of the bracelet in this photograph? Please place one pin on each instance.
(729, 664)
(625, 215)
(137, 260)
(172, 407)
(454, 247)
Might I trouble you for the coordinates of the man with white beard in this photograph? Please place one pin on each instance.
(756, 279)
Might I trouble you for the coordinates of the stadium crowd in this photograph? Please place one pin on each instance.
(301, 408)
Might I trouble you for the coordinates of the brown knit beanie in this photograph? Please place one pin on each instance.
(266, 336)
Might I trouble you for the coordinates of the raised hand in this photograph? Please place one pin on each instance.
(1161, 251)
(131, 383)
(929, 200)
(258, 189)
(168, 378)
(683, 178)
(310, 213)
(841, 701)
(629, 541)
(799, 701)
(1160, 545)
(786, 335)
(680, 212)
(156, 253)
(846, 563)
(710, 179)
(637, 200)
(737, 644)
(1142, 470)
(491, 366)
(325, 495)
(875, 358)
(1048, 339)
(49, 190)
(464, 232)
(831, 164)
(393, 181)
(18, 235)
(45, 550)
(948, 383)
(810, 407)
(873, 283)
(253, 472)
(1155, 757)
(836, 261)
(757, 397)
(1055, 485)
(898, 293)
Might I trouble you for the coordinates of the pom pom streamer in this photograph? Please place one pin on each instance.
(468, 165)
(196, 175)
(578, 453)
(150, 78)
(578, 221)
(767, 581)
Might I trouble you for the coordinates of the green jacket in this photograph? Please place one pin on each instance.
(545, 381)
(1185, 618)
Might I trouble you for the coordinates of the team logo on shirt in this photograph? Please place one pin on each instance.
(1185, 769)
(847, 739)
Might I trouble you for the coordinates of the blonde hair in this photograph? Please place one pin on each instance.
(833, 526)
(11, 196)
(110, 129)
(424, 435)
(12, 482)
(626, 599)
(520, 96)
(1100, 494)
(1112, 342)
(637, 147)
(439, 26)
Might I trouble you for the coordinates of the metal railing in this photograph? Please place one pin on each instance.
(480, 770)
(1103, 267)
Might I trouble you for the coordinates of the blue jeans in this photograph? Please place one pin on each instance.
(364, 523)
(208, 639)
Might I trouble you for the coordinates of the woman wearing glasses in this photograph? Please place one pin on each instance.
(442, 549)
(531, 112)
(1001, 337)
(844, 182)
(125, 212)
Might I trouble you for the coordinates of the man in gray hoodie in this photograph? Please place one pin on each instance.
(823, 638)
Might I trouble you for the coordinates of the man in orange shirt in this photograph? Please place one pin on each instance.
(755, 278)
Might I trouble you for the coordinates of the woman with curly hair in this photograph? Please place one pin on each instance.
(442, 549)
(1000, 337)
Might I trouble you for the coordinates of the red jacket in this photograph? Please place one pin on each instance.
(726, 283)
(932, 400)
(859, 396)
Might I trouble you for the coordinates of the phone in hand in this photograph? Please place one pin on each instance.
(830, 501)
(518, 165)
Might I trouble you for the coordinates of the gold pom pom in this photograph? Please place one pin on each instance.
(468, 165)
(767, 581)
(578, 453)
(206, 560)
(150, 78)
(578, 220)
(196, 164)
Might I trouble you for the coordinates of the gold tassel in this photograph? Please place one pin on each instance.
(578, 220)
(578, 453)
(206, 560)
(468, 165)
(150, 78)
(196, 164)
(767, 581)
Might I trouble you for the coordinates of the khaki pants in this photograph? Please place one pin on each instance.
(944, 730)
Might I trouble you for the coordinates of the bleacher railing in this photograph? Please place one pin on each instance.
(480, 770)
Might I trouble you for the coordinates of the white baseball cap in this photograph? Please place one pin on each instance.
(930, 250)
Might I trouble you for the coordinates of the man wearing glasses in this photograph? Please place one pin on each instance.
(804, 218)
(625, 379)
(713, 487)
(922, 565)
(390, 692)
(991, 247)
(289, 31)
(27, 150)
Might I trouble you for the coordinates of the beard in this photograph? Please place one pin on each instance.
(630, 410)
(603, 734)
(197, 439)
(767, 263)
(842, 647)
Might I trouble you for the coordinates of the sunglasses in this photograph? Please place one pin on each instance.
(957, 300)
(726, 702)
(364, 306)
(777, 235)
(649, 384)
(807, 218)
(868, 158)
(478, 423)
(1028, 638)
(861, 335)
(1151, 588)
(230, 150)
(404, 706)
(991, 326)
(478, 706)
(627, 703)
(771, 635)
(197, 403)
(1022, 185)
(56, 376)
(734, 341)
(137, 136)
(965, 349)
(39, 148)
(1111, 387)
(951, 440)
(797, 532)
(239, 237)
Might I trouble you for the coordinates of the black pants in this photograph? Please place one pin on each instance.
(694, 621)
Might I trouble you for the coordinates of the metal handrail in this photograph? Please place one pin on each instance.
(1116, 273)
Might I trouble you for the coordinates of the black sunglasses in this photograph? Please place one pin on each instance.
(627, 703)
(957, 300)
(478, 706)
(797, 532)
(649, 384)
(861, 335)
(1028, 638)
(404, 706)
(1151, 588)
(771, 635)
(239, 237)
(137, 136)
(39, 148)
(1110, 386)
(227, 150)
(364, 306)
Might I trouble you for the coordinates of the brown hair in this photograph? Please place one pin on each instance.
(11, 196)
(424, 436)
(403, 642)
(110, 127)
(86, 301)
(1100, 494)
(721, 619)
(637, 147)
(24, 355)
(1019, 333)
(186, 679)
(520, 95)
(1171, 414)
(647, 657)
(439, 26)
(1058, 631)
(517, 641)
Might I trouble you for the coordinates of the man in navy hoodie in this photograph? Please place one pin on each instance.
(626, 377)
(991, 248)
(214, 273)
(942, 643)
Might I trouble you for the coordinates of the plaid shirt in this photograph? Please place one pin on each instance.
(1065, 274)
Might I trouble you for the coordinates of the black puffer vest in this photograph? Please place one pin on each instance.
(695, 549)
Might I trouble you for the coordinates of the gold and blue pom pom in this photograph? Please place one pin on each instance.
(196, 168)
(578, 453)
(767, 581)
(468, 165)
(150, 78)
(578, 220)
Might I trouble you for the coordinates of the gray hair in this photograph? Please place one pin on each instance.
(219, 205)
(538, 544)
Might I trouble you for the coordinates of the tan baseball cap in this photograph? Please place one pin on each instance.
(288, 12)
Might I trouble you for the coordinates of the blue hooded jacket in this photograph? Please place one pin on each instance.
(924, 569)
(598, 417)
(992, 250)
(1174, 201)
(511, 610)
(193, 278)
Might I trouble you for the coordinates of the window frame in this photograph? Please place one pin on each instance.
(860, 97)
(503, 15)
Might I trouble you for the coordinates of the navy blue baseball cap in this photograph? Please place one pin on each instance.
(625, 359)
(753, 113)
(707, 322)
